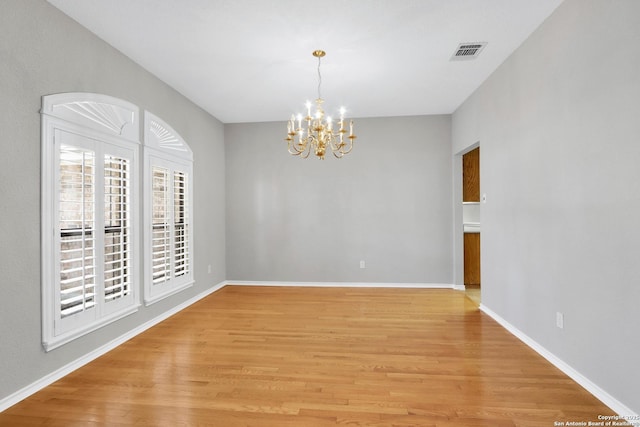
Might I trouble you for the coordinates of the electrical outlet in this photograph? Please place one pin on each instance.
(560, 320)
(209, 269)
(361, 264)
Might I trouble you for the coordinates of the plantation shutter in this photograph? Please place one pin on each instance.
(160, 229)
(77, 230)
(117, 230)
(181, 223)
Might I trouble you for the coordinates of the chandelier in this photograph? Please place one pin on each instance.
(315, 133)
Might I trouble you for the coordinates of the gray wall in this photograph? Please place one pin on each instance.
(559, 136)
(42, 52)
(388, 203)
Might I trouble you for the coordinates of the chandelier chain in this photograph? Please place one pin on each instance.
(319, 78)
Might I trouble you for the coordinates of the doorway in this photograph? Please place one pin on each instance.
(471, 223)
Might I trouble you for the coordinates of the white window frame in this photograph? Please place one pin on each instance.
(165, 148)
(105, 126)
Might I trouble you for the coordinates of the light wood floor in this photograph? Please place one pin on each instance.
(473, 293)
(271, 356)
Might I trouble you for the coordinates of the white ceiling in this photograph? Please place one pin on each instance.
(250, 60)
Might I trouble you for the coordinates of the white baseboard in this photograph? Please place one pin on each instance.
(343, 284)
(618, 407)
(48, 379)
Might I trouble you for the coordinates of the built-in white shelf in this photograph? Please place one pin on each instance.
(471, 217)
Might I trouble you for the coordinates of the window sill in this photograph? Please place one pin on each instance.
(57, 341)
(152, 299)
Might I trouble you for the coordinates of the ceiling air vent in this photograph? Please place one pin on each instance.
(468, 51)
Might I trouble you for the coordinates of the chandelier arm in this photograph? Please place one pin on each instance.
(350, 147)
(341, 144)
(306, 145)
(296, 151)
(335, 142)
(334, 147)
(347, 144)
(301, 151)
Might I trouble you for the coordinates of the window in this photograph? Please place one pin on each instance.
(91, 255)
(89, 192)
(168, 208)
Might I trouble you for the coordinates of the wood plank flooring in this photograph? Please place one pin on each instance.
(282, 356)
